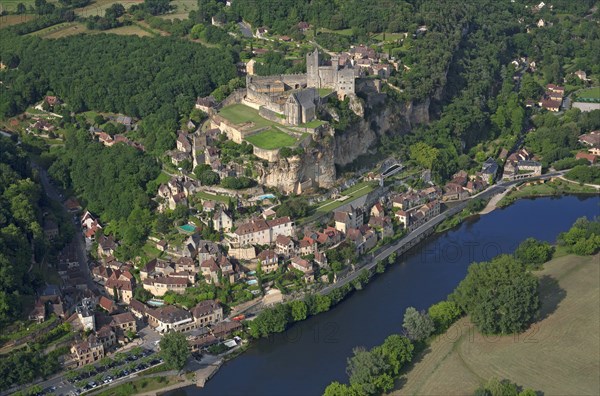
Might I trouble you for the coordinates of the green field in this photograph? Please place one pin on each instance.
(271, 139)
(182, 10)
(61, 30)
(239, 113)
(559, 355)
(211, 197)
(590, 93)
(131, 30)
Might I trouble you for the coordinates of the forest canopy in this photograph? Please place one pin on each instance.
(158, 78)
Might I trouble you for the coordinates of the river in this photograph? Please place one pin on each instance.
(311, 354)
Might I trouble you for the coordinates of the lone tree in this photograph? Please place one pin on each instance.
(174, 350)
(418, 325)
(499, 296)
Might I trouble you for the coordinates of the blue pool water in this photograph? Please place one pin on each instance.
(265, 196)
(188, 228)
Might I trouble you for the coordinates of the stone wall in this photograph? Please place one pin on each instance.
(269, 155)
(271, 115)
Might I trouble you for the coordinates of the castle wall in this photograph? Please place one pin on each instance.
(269, 155)
(271, 115)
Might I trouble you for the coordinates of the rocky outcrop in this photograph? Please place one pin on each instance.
(388, 118)
(315, 168)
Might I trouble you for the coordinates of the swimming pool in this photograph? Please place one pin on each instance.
(252, 282)
(187, 228)
(155, 303)
(265, 196)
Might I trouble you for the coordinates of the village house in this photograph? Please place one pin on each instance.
(183, 143)
(225, 329)
(305, 267)
(408, 200)
(321, 259)
(88, 351)
(329, 236)
(207, 312)
(261, 32)
(307, 246)
(383, 225)
(186, 264)
(377, 210)
(591, 139)
(344, 220)
(124, 322)
(210, 271)
(121, 283)
(107, 304)
(159, 286)
(418, 216)
(205, 104)
(222, 221)
(587, 156)
(261, 232)
(364, 238)
(137, 308)
(284, 245)
(170, 318)
(106, 246)
(269, 261)
(107, 337)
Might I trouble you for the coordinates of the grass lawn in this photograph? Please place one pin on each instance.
(182, 10)
(142, 385)
(61, 30)
(354, 192)
(312, 124)
(131, 30)
(590, 93)
(271, 139)
(162, 178)
(558, 355)
(324, 91)
(239, 113)
(388, 36)
(212, 197)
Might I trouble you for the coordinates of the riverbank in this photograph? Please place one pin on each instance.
(461, 359)
(420, 278)
(541, 188)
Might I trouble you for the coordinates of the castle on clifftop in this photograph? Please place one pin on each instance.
(293, 98)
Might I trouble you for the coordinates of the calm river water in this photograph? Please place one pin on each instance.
(311, 354)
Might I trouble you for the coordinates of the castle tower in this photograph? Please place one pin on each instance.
(312, 69)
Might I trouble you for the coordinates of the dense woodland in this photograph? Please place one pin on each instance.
(20, 228)
(157, 79)
(117, 190)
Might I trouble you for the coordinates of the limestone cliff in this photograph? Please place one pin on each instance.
(381, 117)
(315, 168)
